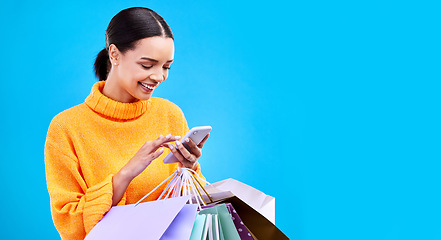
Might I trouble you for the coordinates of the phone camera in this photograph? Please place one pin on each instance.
(195, 133)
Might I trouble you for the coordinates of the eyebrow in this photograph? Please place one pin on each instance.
(154, 60)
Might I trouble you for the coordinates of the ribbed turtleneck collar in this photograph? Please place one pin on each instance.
(111, 108)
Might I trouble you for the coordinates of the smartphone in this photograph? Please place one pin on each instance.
(196, 134)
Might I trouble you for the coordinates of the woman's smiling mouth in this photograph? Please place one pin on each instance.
(148, 87)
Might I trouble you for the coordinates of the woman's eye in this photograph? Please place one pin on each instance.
(168, 68)
(146, 67)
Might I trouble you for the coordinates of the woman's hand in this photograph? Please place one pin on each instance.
(146, 154)
(188, 159)
(137, 164)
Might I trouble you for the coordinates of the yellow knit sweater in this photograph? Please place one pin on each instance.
(87, 144)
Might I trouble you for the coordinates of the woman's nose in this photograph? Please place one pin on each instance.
(157, 76)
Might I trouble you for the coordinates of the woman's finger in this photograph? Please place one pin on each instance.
(176, 153)
(193, 148)
(187, 162)
(185, 153)
(159, 142)
(156, 154)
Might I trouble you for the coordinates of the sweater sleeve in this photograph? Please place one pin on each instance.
(76, 207)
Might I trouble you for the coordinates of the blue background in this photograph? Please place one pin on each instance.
(332, 107)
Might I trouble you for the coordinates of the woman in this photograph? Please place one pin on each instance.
(100, 153)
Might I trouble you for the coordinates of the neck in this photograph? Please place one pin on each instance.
(114, 91)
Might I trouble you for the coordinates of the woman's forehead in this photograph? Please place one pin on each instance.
(158, 48)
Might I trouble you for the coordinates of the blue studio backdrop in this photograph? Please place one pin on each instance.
(332, 107)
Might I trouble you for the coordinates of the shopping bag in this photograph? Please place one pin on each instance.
(256, 209)
(242, 230)
(163, 219)
(233, 227)
(182, 224)
(258, 225)
(198, 227)
(215, 222)
(264, 204)
(222, 226)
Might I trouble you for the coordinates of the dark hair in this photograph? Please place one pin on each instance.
(125, 29)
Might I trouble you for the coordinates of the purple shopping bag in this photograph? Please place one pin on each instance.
(240, 226)
(164, 219)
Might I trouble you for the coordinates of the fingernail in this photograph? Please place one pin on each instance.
(178, 143)
(161, 135)
(187, 139)
(168, 136)
(177, 137)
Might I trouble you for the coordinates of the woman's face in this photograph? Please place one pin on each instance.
(136, 73)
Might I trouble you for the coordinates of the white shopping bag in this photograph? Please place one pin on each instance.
(259, 201)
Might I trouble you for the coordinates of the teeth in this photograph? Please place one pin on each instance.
(147, 86)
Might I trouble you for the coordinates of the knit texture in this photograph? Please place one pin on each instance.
(89, 143)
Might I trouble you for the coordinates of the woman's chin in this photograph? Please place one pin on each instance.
(144, 96)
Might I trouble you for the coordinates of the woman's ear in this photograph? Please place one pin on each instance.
(114, 54)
